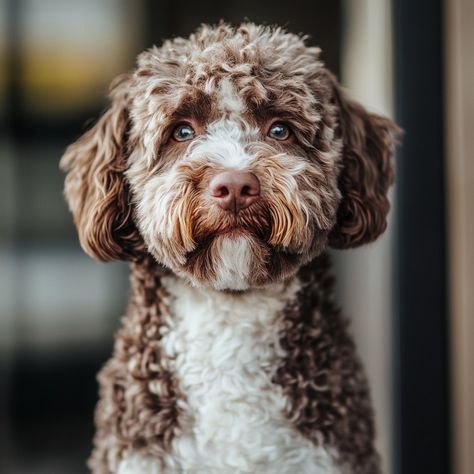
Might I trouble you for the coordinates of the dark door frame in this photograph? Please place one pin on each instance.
(422, 435)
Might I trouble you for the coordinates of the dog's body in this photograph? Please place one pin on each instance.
(224, 167)
(261, 382)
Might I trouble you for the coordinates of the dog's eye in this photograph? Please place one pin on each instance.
(279, 131)
(183, 133)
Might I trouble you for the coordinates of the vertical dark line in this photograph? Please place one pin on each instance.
(421, 324)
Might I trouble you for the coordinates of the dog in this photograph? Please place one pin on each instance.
(226, 166)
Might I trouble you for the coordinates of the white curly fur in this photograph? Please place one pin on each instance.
(229, 101)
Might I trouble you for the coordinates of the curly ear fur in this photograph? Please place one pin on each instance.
(94, 187)
(367, 172)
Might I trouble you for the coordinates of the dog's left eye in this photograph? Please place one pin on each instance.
(183, 133)
(279, 131)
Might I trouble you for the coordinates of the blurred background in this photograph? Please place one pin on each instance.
(409, 295)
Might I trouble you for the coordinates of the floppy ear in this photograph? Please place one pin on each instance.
(95, 188)
(367, 172)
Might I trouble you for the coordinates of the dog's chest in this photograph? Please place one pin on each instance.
(224, 350)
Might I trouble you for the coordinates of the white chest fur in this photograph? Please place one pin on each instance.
(224, 350)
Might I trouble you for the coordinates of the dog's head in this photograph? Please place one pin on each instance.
(233, 157)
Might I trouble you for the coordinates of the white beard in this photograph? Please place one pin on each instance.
(232, 263)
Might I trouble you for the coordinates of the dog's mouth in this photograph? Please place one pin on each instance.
(233, 233)
(254, 223)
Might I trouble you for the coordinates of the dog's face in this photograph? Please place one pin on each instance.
(233, 158)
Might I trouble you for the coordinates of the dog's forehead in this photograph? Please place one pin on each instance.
(229, 101)
(208, 100)
(255, 75)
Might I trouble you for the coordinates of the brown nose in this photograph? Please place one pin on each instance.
(234, 190)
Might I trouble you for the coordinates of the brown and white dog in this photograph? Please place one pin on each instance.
(225, 166)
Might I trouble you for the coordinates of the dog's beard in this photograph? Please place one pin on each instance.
(236, 252)
(231, 251)
(227, 262)
(238, 261)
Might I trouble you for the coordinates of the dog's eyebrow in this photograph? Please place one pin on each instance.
(197, 105)
(263, 113)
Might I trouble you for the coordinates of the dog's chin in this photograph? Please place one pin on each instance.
(238, 261)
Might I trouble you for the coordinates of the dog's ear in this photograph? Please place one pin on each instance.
(95, 188)
(368, 142)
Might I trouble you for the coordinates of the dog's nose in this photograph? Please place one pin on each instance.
(234, 190)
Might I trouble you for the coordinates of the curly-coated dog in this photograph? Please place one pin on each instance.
(224, 168)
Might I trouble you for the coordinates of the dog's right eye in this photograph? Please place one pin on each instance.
(183, 133)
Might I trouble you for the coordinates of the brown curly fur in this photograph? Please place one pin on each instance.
(322, 375)
(342, 203)
(137, 407)
(366, 176)
(95, 189)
